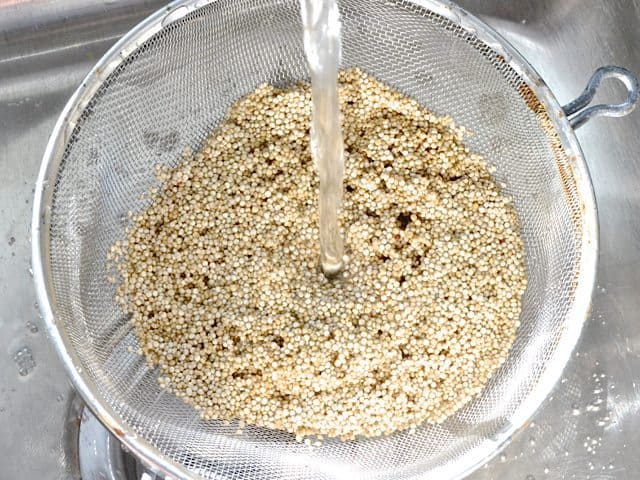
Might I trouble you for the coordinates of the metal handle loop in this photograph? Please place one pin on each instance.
(579, 114)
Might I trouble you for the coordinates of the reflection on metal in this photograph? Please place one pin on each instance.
(52, 47)
(101, 456)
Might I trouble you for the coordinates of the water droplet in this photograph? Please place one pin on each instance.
(530, 477)
(30, 272)
(33, 328)
(24, 360)
(593, 407)
(60, 398)
(532, 442)
(610, 466)
(503, 458)
(564, 380)
(546, 470)
(575, 411)
(12, 240)
(566, 453)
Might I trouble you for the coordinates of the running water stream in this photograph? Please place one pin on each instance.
(322, 47)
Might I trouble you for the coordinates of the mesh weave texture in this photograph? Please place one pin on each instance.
(173, 90)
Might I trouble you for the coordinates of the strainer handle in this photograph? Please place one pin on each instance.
(579, 114)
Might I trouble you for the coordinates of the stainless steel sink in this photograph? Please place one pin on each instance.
(588, 428)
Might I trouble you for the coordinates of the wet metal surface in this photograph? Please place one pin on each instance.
(588, 428)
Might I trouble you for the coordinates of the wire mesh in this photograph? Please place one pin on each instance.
(174, 89)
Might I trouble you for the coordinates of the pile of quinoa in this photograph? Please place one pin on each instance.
(221, 274)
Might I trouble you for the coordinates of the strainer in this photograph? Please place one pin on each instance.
(167, 84)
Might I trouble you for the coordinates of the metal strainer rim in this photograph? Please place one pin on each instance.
(176, 10)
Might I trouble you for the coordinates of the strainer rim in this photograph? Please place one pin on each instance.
(154, 23)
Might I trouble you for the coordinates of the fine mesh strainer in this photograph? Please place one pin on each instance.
(168, 83)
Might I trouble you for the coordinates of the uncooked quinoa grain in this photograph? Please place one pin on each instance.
(221, 275)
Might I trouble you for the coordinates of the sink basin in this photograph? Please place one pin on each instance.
(590, 424)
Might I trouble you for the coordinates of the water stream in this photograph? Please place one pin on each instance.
(322, 47)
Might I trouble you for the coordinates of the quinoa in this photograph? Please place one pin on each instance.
(221, 274)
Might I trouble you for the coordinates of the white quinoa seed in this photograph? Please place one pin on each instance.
(221, 271)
